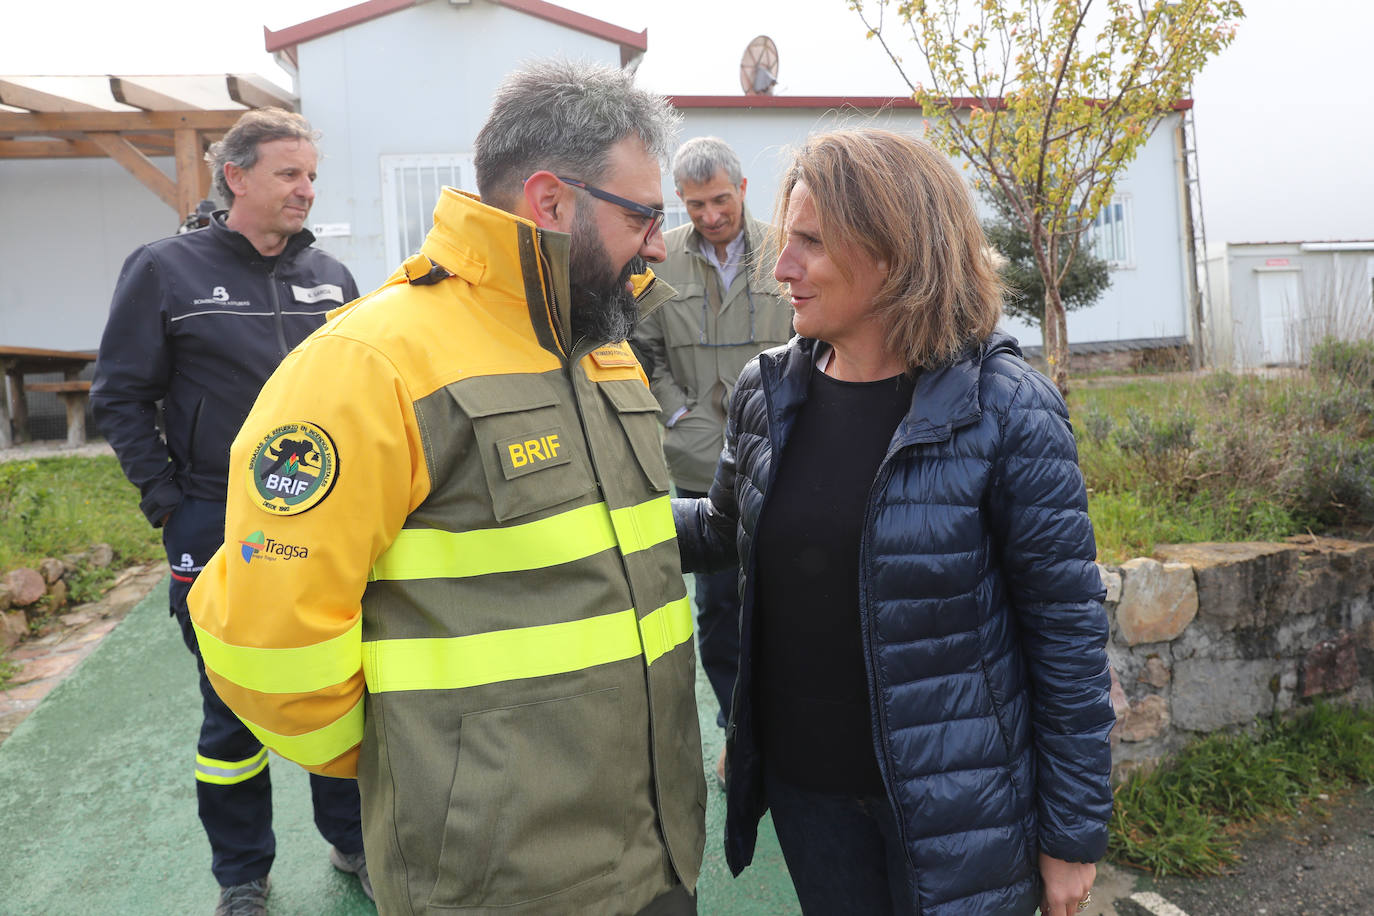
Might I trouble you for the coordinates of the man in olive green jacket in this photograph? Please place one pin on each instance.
(727, 309)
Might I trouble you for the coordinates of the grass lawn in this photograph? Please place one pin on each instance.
(54, 506)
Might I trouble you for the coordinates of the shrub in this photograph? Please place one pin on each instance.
(1226, 458)
(1349, 361)
(1335, 486)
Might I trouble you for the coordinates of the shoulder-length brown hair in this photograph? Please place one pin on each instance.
(900, 201)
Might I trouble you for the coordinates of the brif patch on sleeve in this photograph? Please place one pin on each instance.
(292, 469)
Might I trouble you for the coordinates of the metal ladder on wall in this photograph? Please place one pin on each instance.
(1201, 304)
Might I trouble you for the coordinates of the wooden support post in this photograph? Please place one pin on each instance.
(127, 155)
(6, 437)
(188, 170)
(75, 402)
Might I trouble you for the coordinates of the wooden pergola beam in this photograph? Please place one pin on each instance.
(256, 92)
(163, 142)
(55, 123)
(77, 149)
(128, 92)
(124, 152)
(17, 96)
(47, 149)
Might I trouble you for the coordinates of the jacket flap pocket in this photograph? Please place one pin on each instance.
(489, 395)
(630, 396)
(637, 410)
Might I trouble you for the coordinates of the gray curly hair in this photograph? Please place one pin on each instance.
(564, 116)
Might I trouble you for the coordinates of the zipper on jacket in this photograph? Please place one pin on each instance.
(552, 299)
(879, 714)
(276, 312)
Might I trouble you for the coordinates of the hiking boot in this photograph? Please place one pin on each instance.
(353, 864)
(244, 899)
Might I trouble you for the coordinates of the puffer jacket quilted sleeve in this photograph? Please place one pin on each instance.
(709, 534)
(1038, 503)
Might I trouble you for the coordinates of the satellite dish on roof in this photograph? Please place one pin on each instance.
(758, 68)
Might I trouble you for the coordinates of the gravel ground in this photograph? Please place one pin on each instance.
(1320, 864)
(53, 448)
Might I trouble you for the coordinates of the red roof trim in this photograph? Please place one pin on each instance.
(638, 41)
(331, 22)
(830, 101)
(287, 38)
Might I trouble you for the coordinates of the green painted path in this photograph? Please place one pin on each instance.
(98, 809)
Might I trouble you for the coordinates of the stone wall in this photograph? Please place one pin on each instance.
(1210, 636)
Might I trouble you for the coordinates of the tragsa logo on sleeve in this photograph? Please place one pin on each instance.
(292, 469)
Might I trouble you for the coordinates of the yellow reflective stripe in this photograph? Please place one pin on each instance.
(300, 670)
(502, 655)
(451, 663)
(427, 553)
(666, 628)
(317, 747)
(229, 772)
(641, 527)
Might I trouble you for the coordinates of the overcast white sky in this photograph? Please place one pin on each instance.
(1285, 116)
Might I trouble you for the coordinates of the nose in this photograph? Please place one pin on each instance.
(788, 268)
(305, 188)
(654, 249)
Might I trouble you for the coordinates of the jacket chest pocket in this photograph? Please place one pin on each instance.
(637, 410)
(772, 316)
(681, 318)
(532, 454)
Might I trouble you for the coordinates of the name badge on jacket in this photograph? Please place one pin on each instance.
(329, 292)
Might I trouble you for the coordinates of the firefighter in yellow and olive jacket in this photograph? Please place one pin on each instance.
(450, 568)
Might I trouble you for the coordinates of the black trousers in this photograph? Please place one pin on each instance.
(233, 784)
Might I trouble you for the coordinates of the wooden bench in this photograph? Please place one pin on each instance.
(17, 362)
(74, 395)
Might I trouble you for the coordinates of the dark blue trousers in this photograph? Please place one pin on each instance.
(717, 602)
(843, 852)
(233, 785)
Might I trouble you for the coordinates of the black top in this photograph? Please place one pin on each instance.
(812, 685)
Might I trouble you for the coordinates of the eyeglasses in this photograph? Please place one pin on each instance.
(652, 214)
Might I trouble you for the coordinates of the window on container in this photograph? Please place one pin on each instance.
(674, 215)
(410, 190)
(1113, 233)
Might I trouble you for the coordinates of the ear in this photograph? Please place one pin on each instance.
(234, 177)
(743, 183)
(548, 202)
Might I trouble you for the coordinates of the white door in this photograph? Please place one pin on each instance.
(1280, 316)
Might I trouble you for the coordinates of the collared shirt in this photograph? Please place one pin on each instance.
(734, 257)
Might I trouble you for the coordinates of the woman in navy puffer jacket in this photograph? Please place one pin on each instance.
(923, 697)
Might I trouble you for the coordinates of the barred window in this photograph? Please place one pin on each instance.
(410, 190)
